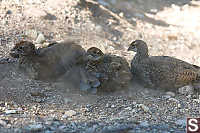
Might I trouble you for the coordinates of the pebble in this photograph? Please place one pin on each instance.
(139, 15)
(8, 12)
(70, 113)
(35, 127)
(166, 96)
(112, 106)
(173, 99)
(3, 122)
(49, 16)
(144, 124)
(196, 100)
(40, 38)
(99, 28)
(128, 108)
(10, 112)
(181, 122)
(171, 94)
(121, 14)
(65, 116)
(31, 34)
(107, 105)
(185, 90)
(145, 108)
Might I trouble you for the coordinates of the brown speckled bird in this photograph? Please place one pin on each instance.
(112, 71)
(161, 71)
(47, 63)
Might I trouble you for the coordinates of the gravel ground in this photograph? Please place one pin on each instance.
(34, 106)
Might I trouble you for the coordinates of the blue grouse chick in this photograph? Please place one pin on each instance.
(112, 71)
(48, 63)
(161, 71)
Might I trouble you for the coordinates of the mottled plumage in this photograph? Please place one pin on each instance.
(112, 71)
(161, 71)
(50, 62)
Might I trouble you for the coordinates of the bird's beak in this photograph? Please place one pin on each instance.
(132, 49)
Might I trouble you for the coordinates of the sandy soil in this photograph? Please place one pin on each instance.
(169, 28)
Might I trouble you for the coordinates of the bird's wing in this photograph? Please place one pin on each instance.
(170, 67)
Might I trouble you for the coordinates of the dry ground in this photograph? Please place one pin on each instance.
(168, 28)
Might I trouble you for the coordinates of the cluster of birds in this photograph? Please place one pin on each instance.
(104, 72)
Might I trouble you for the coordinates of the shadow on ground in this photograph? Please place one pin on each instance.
(139, 8)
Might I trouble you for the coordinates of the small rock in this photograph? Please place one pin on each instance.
(70, 113)
(37, 93)
(173, 99)
(48, 88)
(175, 7)
(144, 124)
(166, 96)
(48, 131)
(31, 34)
(62, 127)
(35, 127)
(40, 38)
(186, 90)
(134, 103)
(128, 108)
(133, 111)
(121, 14)
(107, 105)
(49, 16)
(172, 37)
(145, 108)
(196, 100)
(154, 10)
(38, 100)
(64, 116)
(112, 106)
(8, 12)
(99, 28)
(139, 15)
(10, 112)
(171, 94)
(114, 38)
(181, 122)
(3, 122)
(90, 130)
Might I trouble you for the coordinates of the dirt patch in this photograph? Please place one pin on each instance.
(40, 106)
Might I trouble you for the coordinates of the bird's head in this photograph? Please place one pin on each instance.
(137, 45)
(23, 48)
(94, 54)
